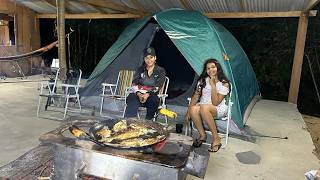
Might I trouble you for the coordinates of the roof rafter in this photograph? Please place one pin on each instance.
(112, 5)
(259, 14)
(209, 15)
(311, 4)
(91, 16)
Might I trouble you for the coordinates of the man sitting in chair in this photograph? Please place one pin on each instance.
(208, 102)
(146, 83)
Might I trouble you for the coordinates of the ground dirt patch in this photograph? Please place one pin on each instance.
(313, 126)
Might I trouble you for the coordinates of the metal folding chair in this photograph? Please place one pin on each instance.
(116, 91)
(71, 91)
(67, 91)
(50, 94)
(163, 94)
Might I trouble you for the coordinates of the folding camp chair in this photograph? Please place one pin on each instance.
(116, 91)
(163, 94)
(190, 127)
(71, 91)
(50, 94)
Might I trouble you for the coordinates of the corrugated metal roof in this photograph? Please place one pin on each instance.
(152, 6)
(37, 6)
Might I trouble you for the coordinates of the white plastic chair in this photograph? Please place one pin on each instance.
(190, 127)
(118, 90)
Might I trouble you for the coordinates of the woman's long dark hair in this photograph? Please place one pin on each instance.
(202, 78)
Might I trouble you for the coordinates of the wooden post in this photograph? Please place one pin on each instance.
(4, 33)
(61, 38)
(298, 58)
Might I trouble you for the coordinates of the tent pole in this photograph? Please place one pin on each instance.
(61, 38)
(298, 58)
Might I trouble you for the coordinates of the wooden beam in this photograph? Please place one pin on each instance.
(112, 5)
(209, 15)
(186, 4)
(258, 14)
(311, 4)
(90, 16)
(298, 59)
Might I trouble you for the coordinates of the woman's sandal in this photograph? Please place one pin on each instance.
(214, 147)
(198, 142)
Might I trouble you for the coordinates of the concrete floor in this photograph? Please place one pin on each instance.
(268, 158)
(19, 126)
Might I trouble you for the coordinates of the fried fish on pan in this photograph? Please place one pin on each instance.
(105, 132)
(132, 133)
(120, 126)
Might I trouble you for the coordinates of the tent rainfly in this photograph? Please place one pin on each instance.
(196, 38)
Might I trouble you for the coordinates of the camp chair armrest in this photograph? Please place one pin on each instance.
(162, 100)
(108, 84)
(112, 96)
(127, 91)
(70, 85)
(52, 95)
(43, 85)
(162, 95)
(109, 88)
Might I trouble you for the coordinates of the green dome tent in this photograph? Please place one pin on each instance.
(197, 38)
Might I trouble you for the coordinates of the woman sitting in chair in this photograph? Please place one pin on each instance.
(208, 102)
(146, 83)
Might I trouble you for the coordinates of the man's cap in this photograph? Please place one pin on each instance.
(149, 51)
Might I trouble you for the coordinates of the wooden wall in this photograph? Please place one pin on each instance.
(27, 31)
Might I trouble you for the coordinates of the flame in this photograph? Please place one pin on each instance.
(76, 132)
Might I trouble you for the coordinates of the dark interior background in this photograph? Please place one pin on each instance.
(178, 69)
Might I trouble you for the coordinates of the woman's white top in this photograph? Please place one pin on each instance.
(222, 108)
